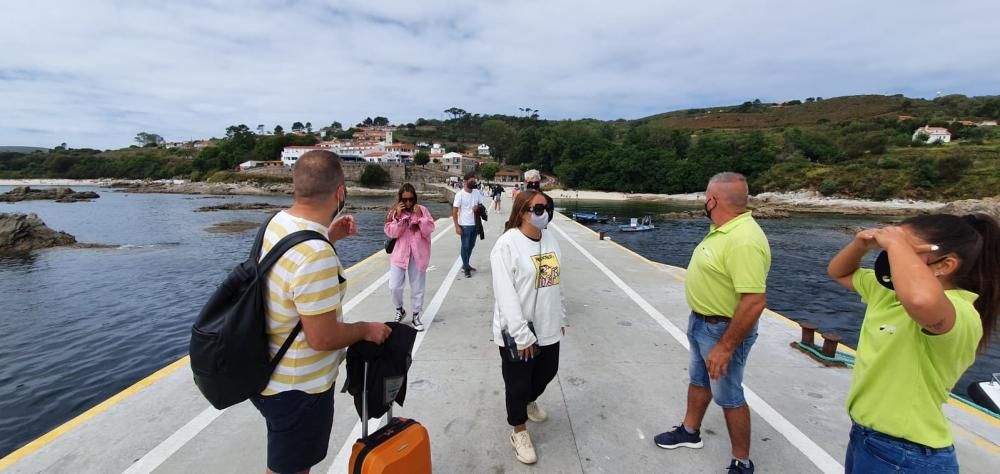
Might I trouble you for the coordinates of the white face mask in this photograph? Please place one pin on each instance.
(540, 222)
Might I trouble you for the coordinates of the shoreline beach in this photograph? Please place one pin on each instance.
(796, 201)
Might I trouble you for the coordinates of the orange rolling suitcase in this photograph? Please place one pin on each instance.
(402, 446)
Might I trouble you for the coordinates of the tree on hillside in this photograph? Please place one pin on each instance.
(297, 127)
(456, 112)
(380, 121)
(500, 137)
(367, 122)
(422, 158)
(260, 129)
(488, 171)
(148, 139)
(309, 127)
(336, 126)
(278, 130)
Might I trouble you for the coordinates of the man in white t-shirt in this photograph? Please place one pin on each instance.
(463, 213)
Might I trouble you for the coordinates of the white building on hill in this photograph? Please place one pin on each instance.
(934, 134)
(291, 154)
(484, 150)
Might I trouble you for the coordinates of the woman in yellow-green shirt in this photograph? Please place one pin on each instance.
(933, 299)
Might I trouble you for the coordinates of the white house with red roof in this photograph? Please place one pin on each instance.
(934, 134)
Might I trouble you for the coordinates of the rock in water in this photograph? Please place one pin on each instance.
(25, 193)
(240, 206)
(21, 233)
(989, 206)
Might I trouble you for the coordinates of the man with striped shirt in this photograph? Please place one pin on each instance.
(307, 285)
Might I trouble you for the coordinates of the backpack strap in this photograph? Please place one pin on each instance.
(284, 347)
(258, 241)
(284, 245)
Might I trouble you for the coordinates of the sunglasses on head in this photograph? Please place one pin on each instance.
(538, 209)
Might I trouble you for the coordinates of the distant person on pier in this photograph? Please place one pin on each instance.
(933, 299)
(307, 285)
(533, 181)
(497, 192)
(725, 288)
(411, 225)
(528, 315)
(463, 214)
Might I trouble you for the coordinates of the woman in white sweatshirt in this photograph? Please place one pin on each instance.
(528, 313)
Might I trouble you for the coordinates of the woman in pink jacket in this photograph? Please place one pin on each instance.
(411, 225)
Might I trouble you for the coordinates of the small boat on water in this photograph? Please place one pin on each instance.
(635, 226)
(588, 217)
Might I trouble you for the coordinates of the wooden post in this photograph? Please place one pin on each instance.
(830, 342)
(808, 334)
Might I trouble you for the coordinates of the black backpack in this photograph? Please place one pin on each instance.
(230, 357)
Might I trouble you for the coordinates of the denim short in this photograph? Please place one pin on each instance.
(298, 428)
(727, 391)
(870, 451)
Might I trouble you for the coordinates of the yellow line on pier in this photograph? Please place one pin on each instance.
(68, 426)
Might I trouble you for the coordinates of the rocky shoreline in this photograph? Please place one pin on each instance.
(26, 193)
(22, 233)
(765, 205)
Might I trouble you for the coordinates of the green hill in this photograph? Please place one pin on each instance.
(807, 112)
(22, 149)
(859, 146)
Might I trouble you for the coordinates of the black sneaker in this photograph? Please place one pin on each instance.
(468, 273)
(736, 467)
(400, 314)
(473, 269)
(416, 322)
(678, 438)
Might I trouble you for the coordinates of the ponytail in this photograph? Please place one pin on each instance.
(975, 239)
(985, 274)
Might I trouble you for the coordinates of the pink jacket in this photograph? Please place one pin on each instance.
(410, 241)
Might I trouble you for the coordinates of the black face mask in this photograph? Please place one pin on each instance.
(535, 185)
(708, 212)
(473, 185)
(883, 274)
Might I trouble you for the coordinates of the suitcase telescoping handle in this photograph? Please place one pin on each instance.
(364, 405)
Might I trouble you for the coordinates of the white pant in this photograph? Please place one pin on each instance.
(418, 281)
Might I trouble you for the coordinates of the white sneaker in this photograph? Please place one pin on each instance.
(524, 451)
(416, 322)
(535, 413)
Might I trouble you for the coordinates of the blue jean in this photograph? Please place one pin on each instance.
(873, 452)
(727, 391)
(468, 242)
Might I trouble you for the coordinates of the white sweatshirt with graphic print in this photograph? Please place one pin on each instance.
(526, 285)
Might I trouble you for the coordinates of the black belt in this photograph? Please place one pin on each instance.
(711, 319)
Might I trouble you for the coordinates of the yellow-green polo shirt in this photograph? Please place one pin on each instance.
(902, 375)
(730, 260)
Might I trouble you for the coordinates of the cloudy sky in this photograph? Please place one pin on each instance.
(94, 73)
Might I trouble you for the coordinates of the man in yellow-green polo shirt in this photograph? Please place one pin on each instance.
(725, 288)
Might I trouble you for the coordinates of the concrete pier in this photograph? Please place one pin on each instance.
(622, 379)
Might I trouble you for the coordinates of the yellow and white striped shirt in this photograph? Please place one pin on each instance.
(305, 282)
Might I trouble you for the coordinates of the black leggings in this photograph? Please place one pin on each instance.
(525, 381)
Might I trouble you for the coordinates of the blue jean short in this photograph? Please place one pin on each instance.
(870, 451)
(727, 391)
